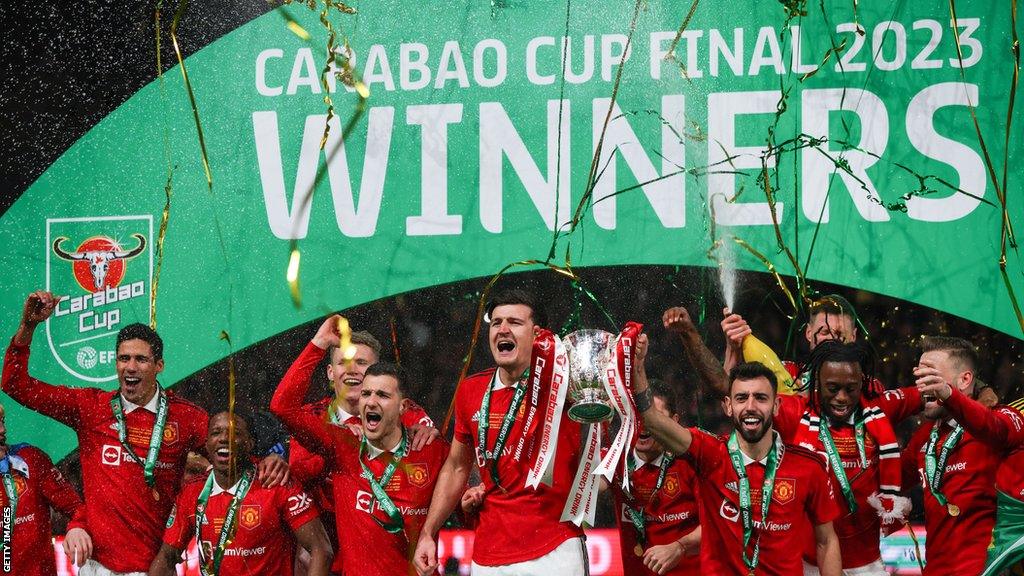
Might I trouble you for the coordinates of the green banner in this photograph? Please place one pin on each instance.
(476, 144)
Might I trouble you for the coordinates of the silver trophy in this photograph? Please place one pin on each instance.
(589, 352)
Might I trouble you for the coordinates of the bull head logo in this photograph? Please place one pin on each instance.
(99, 260)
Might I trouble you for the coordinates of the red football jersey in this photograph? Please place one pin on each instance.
(411, 487)
(957, 546)
(40, 487)
(262, 544)
(121, 510)
(520, 524)
(669, 514)
(859, 532)
(1002, 428)
(802, 498)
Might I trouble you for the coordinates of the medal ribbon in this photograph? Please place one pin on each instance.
(492, 456)
(774, 459)
(156, 438)
(836, 463)
(935, 468)
(394, 523)
(10, 513)
(227, 529)
(636, 514)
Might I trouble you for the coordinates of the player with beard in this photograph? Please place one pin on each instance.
(758, 494)
(519, 531)
(659, 525)
(241, 527)
(940, 375)
(956, 467)
(382, 482)
(341, 408)
(133, 442)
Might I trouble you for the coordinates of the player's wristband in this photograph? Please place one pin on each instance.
(644, 400)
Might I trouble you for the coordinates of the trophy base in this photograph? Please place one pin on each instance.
(590, 412)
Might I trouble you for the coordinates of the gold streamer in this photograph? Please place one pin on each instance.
(160, 252)
(348, 351)
(182, 6)
(771, 268)
(232, 460)
(1006, 233)
(292, 274)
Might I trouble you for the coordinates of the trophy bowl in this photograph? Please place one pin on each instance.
(589, 353)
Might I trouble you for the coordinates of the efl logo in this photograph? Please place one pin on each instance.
(102, 269)
(111, 455)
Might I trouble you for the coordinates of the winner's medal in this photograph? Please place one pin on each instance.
(954, 510)
(638, 550)
(156, 495)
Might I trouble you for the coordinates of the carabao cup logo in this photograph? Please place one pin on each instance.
(102, 270)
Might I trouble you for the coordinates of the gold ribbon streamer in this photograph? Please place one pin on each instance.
(182, 6)
(771, 269)
(232, 461)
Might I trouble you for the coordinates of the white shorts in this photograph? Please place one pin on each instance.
(875, 568)
(94, 568)
(568, 559)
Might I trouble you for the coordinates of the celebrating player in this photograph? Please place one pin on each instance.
(754, 485)
(659, 526)
(240, 526)
(520, 529)
(381, 481)
(956, 467)
(31, 486)
(1002, 429)
(342, 409)
(133, 442)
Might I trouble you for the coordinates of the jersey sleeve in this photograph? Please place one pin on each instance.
(310, 430)
(180, 526)
(57, 491)
(787, 421)
(908, 458)
(462, 418)
(297, 508)
(821, 498)
(415, 415)
(1001, 427)
(304, 465)
(900, 403)
(706, 451)
(58, 402)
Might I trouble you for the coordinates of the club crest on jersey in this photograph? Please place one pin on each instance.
(20, 484)
(170, 433)
(249, 516)
(671, 485)
(103, 267)
(784, 491)
(418, 474)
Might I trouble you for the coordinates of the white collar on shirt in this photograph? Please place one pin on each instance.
(747, 460)
(218, 490)
(372, 451)
(343, 414)
(150, 406)
(497, 384)
(656, 462)
(18, 463)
